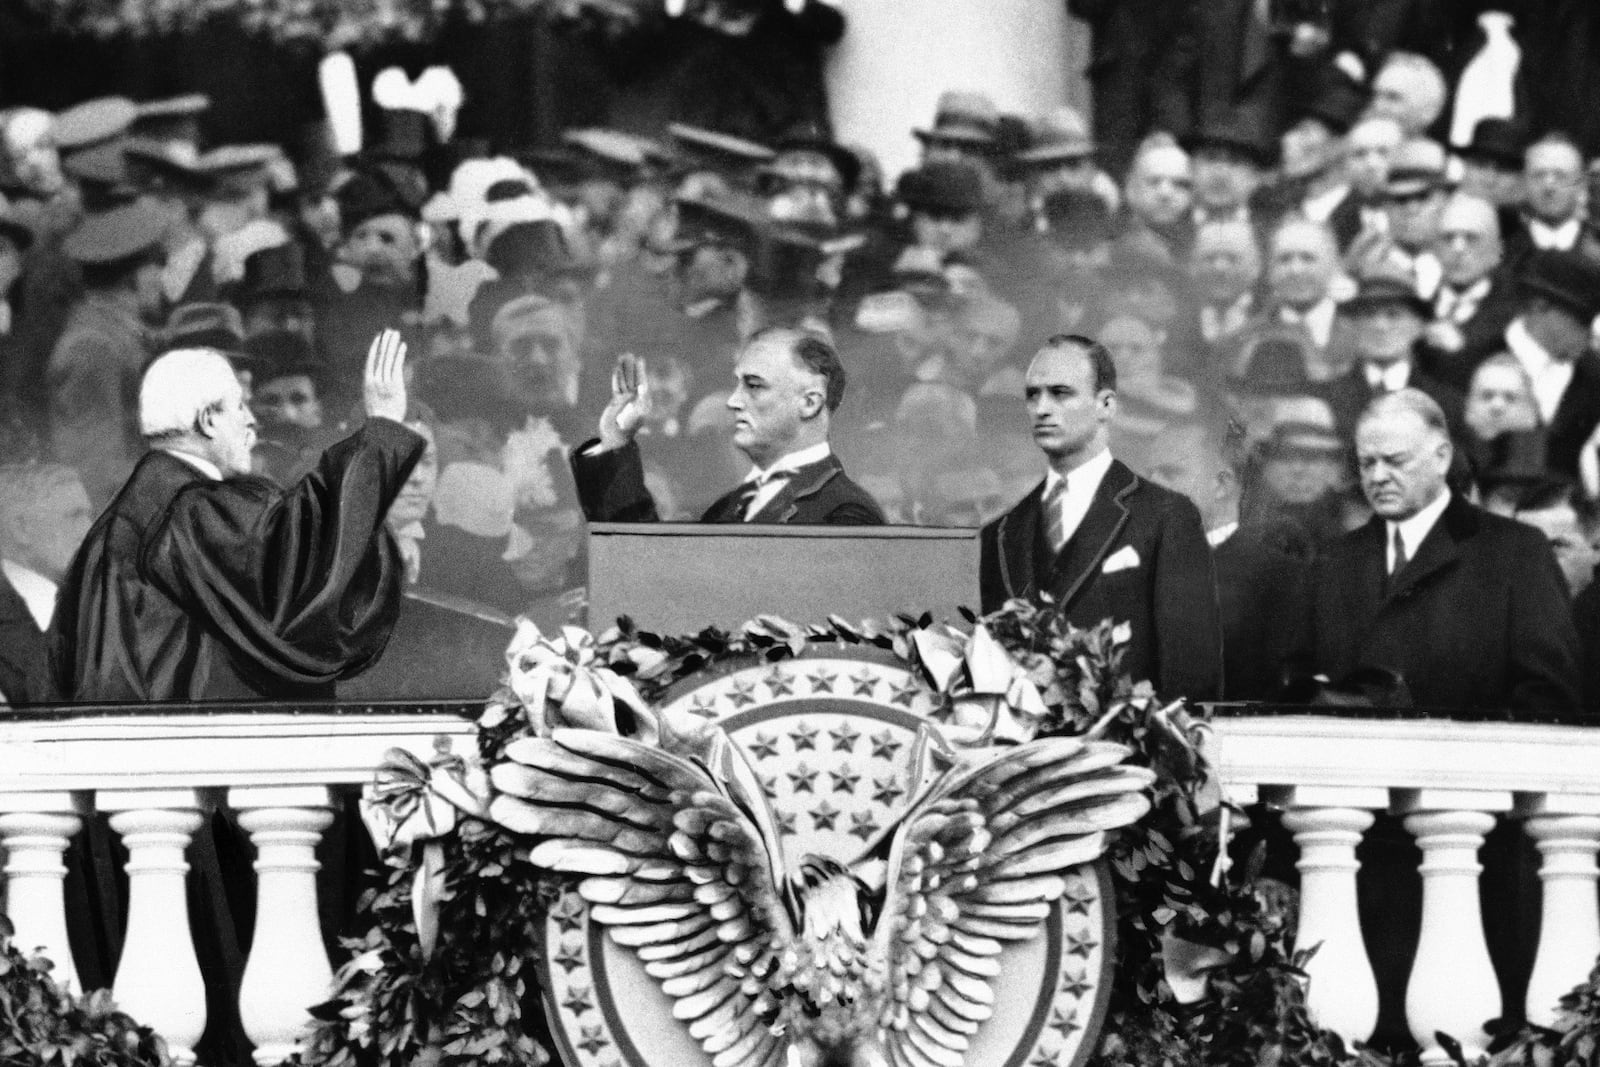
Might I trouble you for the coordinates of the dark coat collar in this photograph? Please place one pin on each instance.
(1022, 554)
(1439, 550)
(806, 481)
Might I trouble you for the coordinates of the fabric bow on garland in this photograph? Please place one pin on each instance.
(991, 697)
(562, 682)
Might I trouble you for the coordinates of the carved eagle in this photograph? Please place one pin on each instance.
(883, 962)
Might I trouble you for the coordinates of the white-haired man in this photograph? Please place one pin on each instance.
(201, 581)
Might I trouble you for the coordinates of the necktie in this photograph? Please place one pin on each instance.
(752, 488)
(1400, 558)
(1054, 529)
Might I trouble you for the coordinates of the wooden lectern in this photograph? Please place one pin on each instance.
(678, 578)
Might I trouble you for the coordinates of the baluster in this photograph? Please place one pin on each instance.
(1343, 993)
(158, 978)
(1453, 988)
(288, 970)
(36, 829)
(1569, 928)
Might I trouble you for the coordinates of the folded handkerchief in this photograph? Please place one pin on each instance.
(1120, 560)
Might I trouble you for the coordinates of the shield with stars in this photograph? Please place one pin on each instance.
(830, 736)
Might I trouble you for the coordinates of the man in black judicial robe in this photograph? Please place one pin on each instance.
(203, 582)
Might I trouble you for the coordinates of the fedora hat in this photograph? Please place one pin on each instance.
(1570, 280)
(965, 117)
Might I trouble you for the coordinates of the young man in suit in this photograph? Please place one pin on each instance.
(787, 385)
(1101, 541)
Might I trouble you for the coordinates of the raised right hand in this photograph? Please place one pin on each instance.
(630, 403)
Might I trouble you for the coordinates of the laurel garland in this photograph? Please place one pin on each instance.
(473, 999)
(327, 24)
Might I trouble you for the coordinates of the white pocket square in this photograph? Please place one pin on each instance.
(1120, 560)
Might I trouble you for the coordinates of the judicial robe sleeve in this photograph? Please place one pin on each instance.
(304, 583)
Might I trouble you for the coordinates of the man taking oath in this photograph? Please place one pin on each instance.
(202, 581)
(1101, 541)
(787, 385)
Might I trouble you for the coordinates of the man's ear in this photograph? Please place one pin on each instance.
(812, 402)
(205, 423)
(1105, 402)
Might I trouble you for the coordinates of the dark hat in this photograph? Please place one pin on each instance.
(204, 325)
(1496, 141)
(103, 175)
(719, 150)
(788, 256)
(316, 157)
(1058, 136)
(165, 164)
(278, 272)
(944, 187)
(809, 136)
(1570, 280)
(1387, 281)
(533, 249)
(621, 157)
(965, 117)
(458, 387)
(368, 194)
(94, 122)
(1339, 101)
(1417, 166)
(403, 134)
(174, 118)
(118, 234)
(1077, 218)
(1245, 140)
(1276, 362)
(729, 221)
(281, 353)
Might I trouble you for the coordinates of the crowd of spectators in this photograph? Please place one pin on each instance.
(1259, 274)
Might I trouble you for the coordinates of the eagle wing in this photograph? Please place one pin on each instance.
(978, 863)
(675, 861)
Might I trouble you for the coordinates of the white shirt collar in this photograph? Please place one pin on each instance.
(1221, 533)
(1318, 321)
(36, 591)
(1415, 529)
(1561, 238)
(1550, 375)
(199, 463)
(1085, 477)
(1321, 206)
(791, 462)
(1391, 378)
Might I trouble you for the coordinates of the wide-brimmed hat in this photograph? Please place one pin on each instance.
(1386, 281)
(1058, 136)
(93, 122)
(1417, 166)
(1570, 280)
(716, 150)
(964, 117)
(204, 324)
(120, 233)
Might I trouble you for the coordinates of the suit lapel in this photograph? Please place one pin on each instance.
(1017, 535)
(1087, 548)
(805, 482)
(1439, 550)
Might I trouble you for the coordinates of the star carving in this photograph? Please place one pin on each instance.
(703, 708)
(780, 682)
(864, 683)
(886, 791)
(863, 825)
(577, 1000)
(822, 681)
(1065, 1022)
(568, 913)
(844, 738)
(769, 785)
(742, 694)
(824, 816)
(593, 1040)
(884, 745)
(1078, 896)
(844, 779)
(802, 779)
(905, 694)
(764, 747)
(785, 821)
(1076, 985)
(803, 736)
(1043, 1057)
(1081, 943)
(569, 957)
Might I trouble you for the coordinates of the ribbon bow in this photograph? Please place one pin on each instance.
(991, 696)
(560, 682)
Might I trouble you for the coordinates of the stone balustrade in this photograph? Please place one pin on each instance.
(155, 776)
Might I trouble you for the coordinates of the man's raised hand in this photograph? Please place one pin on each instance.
(630, 403)
(383, 389)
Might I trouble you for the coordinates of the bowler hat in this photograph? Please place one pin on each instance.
(1496, 141)
(1059, 135)
(118, 234)
(1570, 280)
(1077, 218)
(964, 117)
(94, 122)
(1387, 281)
(368, 194)
(1236, 137)
(276, 272)
(944, 187)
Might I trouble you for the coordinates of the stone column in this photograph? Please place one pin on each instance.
(1342, 994)
(1569, 929)
(35, 829)
(158, 979)
(288, 970)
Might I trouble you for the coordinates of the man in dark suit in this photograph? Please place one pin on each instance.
(788, 384)
(1476, 300)
(1469, 607)
(44, 513)
(1101, 541)
(1551, 339)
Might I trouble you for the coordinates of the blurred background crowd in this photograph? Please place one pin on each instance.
(1275, 210)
